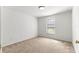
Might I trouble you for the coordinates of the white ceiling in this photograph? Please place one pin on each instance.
(35, 11)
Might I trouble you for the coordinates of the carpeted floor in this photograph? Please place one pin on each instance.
(40, 45)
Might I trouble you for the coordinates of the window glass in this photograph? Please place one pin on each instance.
(51, 26)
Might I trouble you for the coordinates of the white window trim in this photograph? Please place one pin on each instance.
(52, 27)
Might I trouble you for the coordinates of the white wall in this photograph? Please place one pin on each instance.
(63, 26)
(75, 24)
(17, 26)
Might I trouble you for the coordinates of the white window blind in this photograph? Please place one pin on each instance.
(51, 26)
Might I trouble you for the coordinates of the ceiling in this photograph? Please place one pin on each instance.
(35, 11)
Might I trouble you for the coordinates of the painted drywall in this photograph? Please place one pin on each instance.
(75, 25)
(35, 11)
(63, 26)
(17, 26)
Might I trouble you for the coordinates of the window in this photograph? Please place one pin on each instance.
(51, 26)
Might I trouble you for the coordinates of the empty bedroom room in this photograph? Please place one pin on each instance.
(36, 29)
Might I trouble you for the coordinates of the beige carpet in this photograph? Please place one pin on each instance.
(40, 45)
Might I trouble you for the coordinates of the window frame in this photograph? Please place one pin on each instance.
(49, 25)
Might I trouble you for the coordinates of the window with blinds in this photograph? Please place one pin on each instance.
(51, 26)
